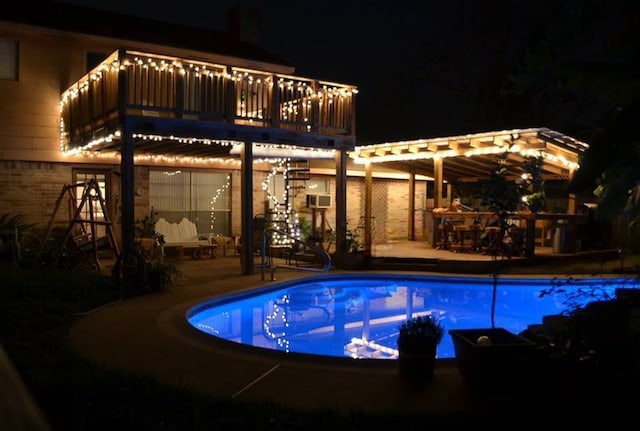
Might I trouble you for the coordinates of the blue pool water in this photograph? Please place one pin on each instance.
(354, 315)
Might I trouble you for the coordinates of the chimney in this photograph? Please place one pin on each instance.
(245, 23)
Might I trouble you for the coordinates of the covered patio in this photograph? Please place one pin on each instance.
(452, 164)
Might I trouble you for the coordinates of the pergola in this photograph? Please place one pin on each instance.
(465, 158)
(470, 158)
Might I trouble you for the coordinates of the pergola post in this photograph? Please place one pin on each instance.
(368, 198)
(571, 204)
(411, 228)
(437, 182)
(341, 201)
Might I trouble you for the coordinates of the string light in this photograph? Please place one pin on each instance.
(171, 174)
(218, 193)
(198, 69)
(279, 313)
(114, 156)
(274, 152)
(483, 143)
(361, 348)
(296, 98)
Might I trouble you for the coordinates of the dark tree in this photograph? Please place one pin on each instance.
(611, 166)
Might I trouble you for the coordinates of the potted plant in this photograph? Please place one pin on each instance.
(490, 358)
(594, 340)
(418, 339)
(161, 275)
(352, 256)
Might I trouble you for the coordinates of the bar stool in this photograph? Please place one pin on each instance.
(493, 236)
(463, 232)
(444, 230)
(475, 237)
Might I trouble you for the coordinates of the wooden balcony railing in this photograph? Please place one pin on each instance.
(136, 83)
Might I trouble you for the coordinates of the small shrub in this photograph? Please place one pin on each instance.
(419, 332)
(161, 275)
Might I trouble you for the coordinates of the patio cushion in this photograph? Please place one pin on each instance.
(180, 234)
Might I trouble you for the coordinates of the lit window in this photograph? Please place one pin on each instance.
(202, 197)
(318, 185)
(96, 207)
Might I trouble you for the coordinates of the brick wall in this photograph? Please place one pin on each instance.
(390, 208)
(32, 188)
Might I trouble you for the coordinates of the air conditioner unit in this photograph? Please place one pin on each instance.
(317, 200)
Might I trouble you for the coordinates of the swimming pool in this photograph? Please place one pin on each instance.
(357, 316)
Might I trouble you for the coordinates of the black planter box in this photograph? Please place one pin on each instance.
(504, 359)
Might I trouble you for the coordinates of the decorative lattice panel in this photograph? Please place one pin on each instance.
(379, 211)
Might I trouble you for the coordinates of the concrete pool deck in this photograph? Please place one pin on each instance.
(150, 335)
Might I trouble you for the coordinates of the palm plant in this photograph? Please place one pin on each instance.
(12, 229)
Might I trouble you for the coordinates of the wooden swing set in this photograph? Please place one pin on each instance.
(81, 237)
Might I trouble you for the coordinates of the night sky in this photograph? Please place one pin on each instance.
(439, 68)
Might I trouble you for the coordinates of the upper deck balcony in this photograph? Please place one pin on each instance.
(174, 99)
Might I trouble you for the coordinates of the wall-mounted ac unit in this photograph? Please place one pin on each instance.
(318, 200)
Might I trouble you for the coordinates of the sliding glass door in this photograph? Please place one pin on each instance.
(202, 197)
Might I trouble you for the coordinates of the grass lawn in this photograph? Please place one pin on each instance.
(37, 308)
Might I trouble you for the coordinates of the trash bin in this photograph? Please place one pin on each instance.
(560, 237)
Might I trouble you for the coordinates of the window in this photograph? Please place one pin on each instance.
(316, 185)
(8, 60)
(202, 197)
(101, 178)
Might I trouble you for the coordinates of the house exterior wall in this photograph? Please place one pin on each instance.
(32, 166)
(390, 208)
(33, 169)
(32, 188)
(397, 223)
(47, 64)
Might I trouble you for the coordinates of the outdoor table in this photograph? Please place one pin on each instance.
(523, 219)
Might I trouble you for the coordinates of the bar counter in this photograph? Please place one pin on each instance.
(524, 219)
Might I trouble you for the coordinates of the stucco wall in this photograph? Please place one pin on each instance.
(29, 124)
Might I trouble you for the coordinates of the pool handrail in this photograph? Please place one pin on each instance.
(295, 241)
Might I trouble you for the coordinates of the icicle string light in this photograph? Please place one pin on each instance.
(284, 212)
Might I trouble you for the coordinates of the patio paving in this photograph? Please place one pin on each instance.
(150, 335)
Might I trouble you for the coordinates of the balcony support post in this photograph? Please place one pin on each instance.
(246, 211)
(127, 179)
